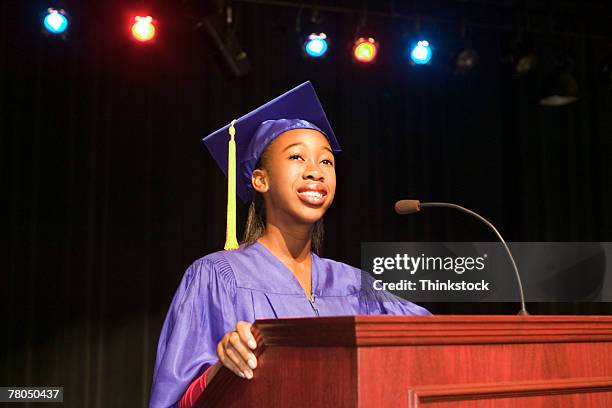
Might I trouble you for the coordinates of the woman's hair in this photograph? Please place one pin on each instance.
(256, 221)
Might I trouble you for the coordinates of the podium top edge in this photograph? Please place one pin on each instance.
(358, 331)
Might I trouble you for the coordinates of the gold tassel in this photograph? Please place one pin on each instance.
(230, 233)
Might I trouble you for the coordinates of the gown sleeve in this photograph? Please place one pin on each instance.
(194, 390)
(201, 312)
(382, 302)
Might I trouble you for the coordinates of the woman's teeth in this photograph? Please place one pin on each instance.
(312, 194)
(312, 197)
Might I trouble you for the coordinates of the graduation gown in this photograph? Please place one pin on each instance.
(246, 284)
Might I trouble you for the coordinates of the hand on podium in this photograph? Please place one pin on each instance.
(234, 351)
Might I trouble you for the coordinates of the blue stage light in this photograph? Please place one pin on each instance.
(316, 45)
(56, 21)
(421, 53)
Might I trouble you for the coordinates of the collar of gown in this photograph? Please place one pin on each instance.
(256, 268)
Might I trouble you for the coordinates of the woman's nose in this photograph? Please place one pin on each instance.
(313, 172)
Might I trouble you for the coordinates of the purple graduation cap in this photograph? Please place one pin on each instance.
(238, 146)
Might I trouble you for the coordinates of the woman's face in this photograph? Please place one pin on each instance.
(298, 178)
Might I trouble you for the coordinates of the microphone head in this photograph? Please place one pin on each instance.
(407, 206)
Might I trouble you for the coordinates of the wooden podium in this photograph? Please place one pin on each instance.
(435, 361)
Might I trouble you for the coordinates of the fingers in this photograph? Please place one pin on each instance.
(244, 330)
(226, 360)
(242, 351)
(234, 353)
(238, 360)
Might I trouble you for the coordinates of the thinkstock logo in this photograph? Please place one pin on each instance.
(482, 271)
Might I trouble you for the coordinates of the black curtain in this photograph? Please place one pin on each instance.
(110, 193)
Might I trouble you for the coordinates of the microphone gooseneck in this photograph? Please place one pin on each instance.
(412, 206)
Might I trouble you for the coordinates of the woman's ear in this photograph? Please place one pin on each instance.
(259, 180)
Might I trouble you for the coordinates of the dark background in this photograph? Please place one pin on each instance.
(110, 194)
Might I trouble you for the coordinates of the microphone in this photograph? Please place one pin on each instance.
(403, 207)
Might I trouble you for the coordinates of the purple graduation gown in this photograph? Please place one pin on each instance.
(246, 284)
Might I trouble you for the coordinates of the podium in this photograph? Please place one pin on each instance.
(429, 362)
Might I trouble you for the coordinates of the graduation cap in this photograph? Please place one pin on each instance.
(238, 146)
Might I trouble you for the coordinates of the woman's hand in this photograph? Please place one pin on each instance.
(234, 350)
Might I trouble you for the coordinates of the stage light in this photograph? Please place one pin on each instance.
(466, 60)
(421, 52)
(521, 57)
(525, 64)
(464, 57)
(221, 30)
(316, 45)
(365, 50)
(56, 21)
(560, 88)
(143, 29)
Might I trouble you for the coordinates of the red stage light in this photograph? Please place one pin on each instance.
(365, 50)
(143, 29)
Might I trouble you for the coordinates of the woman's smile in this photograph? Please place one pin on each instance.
(313, 193)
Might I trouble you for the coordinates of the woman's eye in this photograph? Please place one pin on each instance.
(327, 161)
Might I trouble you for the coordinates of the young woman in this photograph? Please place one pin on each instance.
(287, 172)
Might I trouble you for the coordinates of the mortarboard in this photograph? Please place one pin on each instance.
(238, 146)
